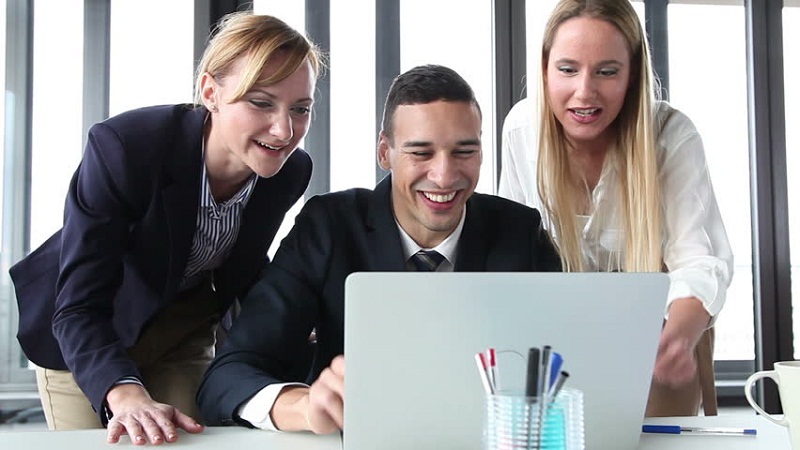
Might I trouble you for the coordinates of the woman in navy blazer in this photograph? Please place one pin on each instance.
(167, 221)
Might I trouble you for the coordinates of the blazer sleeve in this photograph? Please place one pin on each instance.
(268, 342)
(99, 209)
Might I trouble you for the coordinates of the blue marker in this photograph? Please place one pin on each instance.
(555, 367)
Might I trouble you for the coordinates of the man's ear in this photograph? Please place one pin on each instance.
(384, 145)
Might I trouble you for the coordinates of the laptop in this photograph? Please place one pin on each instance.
(410, 341)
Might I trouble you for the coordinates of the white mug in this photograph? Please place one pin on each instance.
(787, 376)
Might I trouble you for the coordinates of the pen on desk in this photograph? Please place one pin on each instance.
(532, 375)
(480, 361)
(677, 429)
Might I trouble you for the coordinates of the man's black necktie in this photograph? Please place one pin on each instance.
(427, 260)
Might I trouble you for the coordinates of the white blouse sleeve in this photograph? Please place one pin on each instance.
(696, 248)
(518, 163)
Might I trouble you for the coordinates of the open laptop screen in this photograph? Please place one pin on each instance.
(410, 339)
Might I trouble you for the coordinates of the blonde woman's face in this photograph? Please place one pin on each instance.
(586, 78)
(258, 132)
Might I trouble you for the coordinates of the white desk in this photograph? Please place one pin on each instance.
(213, 438)
(770, 437)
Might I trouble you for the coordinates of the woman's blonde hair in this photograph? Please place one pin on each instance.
(256, 38)
(633, 151)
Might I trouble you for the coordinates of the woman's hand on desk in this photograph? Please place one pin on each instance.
(676, 364)
(143, 419)
(319, 408)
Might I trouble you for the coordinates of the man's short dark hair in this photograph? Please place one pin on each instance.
(422, 85)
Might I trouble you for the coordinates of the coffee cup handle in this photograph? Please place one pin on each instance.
(748, 393)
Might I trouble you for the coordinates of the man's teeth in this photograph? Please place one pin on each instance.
(585, 112)
(439, 198)
(268, 146)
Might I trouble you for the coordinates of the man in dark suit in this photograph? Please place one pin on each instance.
(431, 144)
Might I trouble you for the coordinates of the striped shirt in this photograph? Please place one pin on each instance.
(217, 228)
(216, 232)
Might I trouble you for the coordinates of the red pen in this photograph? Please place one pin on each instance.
(480, 361)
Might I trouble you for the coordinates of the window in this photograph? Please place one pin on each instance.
(791, 67)
(3, 8)
(720, 115)
(293, 13)
(154, 67)
(352, 77)
(57, 113)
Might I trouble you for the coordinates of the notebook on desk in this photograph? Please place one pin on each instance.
(410, 340)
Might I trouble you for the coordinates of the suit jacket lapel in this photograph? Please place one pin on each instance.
(181, 194)
(473, 245)
(383, 236)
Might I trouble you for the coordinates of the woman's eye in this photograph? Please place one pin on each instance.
(567, 70)
(608, 72)
(260, 103)
(302, 110)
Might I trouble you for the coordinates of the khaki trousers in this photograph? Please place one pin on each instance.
(171, 356)
(665, 401)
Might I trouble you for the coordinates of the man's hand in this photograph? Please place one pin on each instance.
(675, 363)
(326, 399)
(319, 408)
(138, 415)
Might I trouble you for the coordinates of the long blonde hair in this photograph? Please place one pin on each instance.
(634, 149)
(257, 38)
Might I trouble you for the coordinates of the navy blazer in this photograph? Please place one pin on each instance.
(91, 289)
(335, 235)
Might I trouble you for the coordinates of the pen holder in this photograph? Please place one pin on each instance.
(514, 421)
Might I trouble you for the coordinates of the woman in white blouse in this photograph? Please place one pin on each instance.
(622, 181)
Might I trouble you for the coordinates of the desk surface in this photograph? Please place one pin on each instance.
(770, 437)
(213, 438)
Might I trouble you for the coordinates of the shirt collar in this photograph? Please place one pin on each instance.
(447, 248)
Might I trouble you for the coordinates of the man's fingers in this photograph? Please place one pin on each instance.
(337, 366)
(335, 410)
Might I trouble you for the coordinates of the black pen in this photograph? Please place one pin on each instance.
(532, 376)
(562, 377)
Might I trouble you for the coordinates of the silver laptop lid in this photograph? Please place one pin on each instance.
(410, 339)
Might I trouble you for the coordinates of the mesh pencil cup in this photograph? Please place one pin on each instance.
(514, 421)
